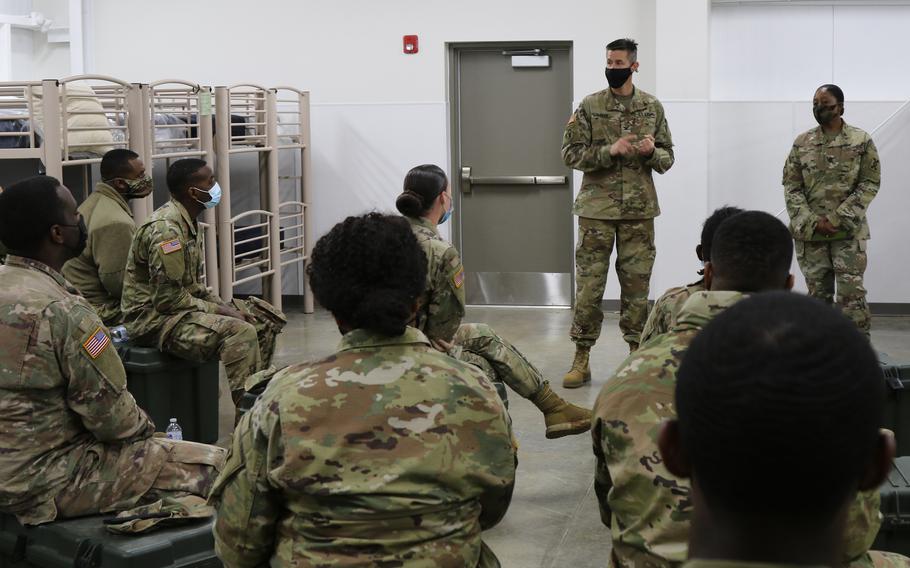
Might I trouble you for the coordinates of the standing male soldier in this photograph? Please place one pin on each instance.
(830, 178)
(165, 304)
(98, 272)
(616, 137)
(72, 439)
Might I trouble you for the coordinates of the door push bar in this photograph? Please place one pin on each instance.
(467, 180)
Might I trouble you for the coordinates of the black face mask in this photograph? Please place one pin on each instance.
(617, 77)
(83, 238)
(824, 114)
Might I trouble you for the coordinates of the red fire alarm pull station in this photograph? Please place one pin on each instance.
(410, 44)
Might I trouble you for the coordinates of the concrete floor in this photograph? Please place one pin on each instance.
(553, 520)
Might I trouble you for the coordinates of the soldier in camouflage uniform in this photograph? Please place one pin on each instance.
(427, 202)
(166, 305)
(757, 424)
(647, 508)
(385, 453)
(617, 137)
(98, 272)
(830, 178)
(72, 439)
(663, 314)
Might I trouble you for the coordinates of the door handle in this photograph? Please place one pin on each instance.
(467, 180)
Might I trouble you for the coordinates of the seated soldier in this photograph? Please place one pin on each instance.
(779, 400)
(427, 202)
(663, 314)
(647, 509)
(98, 272)
(72, 440)
(385, 453)
(166, 305)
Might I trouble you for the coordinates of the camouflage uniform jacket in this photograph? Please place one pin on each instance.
(664, 311)
(386, 453)
(442, 303)
(163, 274)
(646, 507)
(98, 272)
(616, 187)
(63, 390)
(833, 177)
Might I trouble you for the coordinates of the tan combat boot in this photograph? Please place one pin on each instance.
(580, 373)
(562, 418)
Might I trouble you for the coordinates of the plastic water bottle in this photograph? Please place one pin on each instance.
(119, 334)
(174, 431)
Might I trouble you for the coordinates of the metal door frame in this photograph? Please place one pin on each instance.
(453, 68)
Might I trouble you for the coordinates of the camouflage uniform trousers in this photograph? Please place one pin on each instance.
(499, 360)
(244, 348)
(117, 478)
(635, 254)
(842, 263)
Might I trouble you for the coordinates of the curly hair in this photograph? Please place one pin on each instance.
(369, 271)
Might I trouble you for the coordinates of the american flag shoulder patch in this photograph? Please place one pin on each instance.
(458, 278)
(167, 247)
(96, 343)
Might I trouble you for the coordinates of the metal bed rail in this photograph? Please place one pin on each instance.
(295, 139)
(18, 102)
(256, 252)
(291, 219)
(115, 99)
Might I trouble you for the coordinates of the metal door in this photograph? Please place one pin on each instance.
(513, 194)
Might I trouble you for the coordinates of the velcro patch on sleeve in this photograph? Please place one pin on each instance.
(167, 247)
(96, 343)
(458, 278)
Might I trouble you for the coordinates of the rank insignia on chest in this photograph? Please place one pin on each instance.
(168, 247)
(97, 343)
(458, 279)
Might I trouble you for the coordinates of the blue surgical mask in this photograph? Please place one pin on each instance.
(447, 214)
(214, 193)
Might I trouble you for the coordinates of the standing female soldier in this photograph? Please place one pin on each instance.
(427, 202)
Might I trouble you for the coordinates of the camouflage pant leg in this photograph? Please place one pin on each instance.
(191, 468)
(510, 365)
(814, 260)
(592, 261)
(635, 253)
(476, 360)
(110, 314)
(849, 260)
(840, 263)
(269, 323)
(113, 477)
(201, 337)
